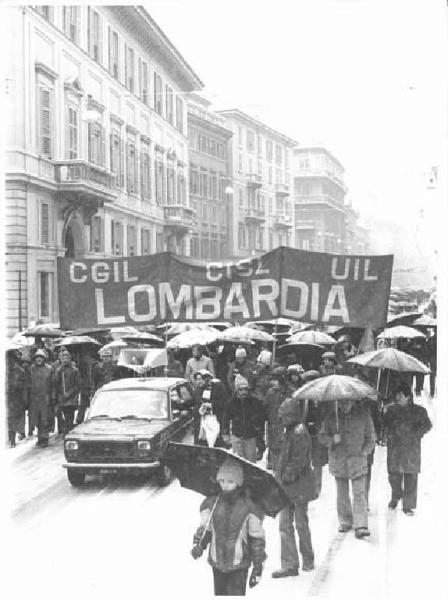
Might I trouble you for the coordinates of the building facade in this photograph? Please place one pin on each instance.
(210, 154)
(323, 220)
(97, 147)
(261, 183)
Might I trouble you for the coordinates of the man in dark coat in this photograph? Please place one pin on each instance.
(66, 380)
(406, 423)
(104, 371)
(293, 470)
(41, 397)
(210, 397)
(240, 366)
(87, 366)
(272, 401)
(350, 439)
(16, 394)
(246, 417)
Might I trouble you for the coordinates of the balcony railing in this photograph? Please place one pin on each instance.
(305, 224)
(254, 214)
(282, 220)
(282, 189)
(85, 178)
(321, 199)
(321, 173)
(181, 218)
(253, 180)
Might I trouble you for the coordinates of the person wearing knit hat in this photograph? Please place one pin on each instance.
(240, 366)
(329, 365)
(233, 526)
(245, 417)
(41, 397)
(293, 471)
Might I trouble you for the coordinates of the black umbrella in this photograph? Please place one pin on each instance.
(197, 467)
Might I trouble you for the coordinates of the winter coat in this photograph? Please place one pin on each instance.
(87, 375)
(235, 531)
(405, 426)
(314, 418)
(66, 379)
(41, 392)
(247, 417)
(196, 364)
(348, 459)
(293, 468)
(273, 399)
(16, 393)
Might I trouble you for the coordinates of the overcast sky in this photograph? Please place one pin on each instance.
(363, 77)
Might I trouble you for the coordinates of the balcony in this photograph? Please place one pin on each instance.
(254, 215)
(85, 180)
(181, 219)
(281, 190)
(305, 224)
(323, 200)
(321, 173)
(282, 221)
(253, 180)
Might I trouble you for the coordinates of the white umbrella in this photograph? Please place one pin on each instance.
(176, 328)
(312, 337)
(115, 346)
(21, 340)
(142, 336)
(120, 332)
(187, 339)
(401, 331)
(240, 333)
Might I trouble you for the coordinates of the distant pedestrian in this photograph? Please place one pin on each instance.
(41, 397)
(197, 362)
(210, 398)
(293, 378)
(16, 394)
(245, 419)
(293, 470)
(232, 525)
(240, 366)
(406, 423)
(260, 374)
(329, 365)
(67, 386)
(87, 365)
(272, 401)
(104, 371)
(350, 441)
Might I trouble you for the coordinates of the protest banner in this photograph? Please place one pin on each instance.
(308, 286)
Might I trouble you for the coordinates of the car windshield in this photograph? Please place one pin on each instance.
(147, 404)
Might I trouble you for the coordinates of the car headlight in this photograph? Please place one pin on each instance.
(71, 446)
(144, 446)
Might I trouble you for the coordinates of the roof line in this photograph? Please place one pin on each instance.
(322, 148)
(246, 117)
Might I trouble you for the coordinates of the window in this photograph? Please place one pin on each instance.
(269, 174)
(240, 162)
(205, 212)
(97, 234)
(278, 154)
(94, 38)
(194, 247)
(44, 294)
(132, 240)
(159, 242)
(304, 163)
(169, 105)
(181, 189)
(306, 245)
(269, 150)
(117, 158)
(145, 173)
(116, 238)
(46, 122)
(240, 137)
(44, 223)
(131, 168)
(159, 181)
(250, 141)
(96, 144)
(179, 114)
(146, 241)
(113, 54)
(213, 216)
(260, 238)
(70, 16)
(143, 72)
(129, 68)
(241, 236)
(72, 132)
(194, 181)
(213, 186)
(241, 198)
(158, 94)
(170, 185)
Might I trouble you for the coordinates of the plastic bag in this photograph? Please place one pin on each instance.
(209, 429)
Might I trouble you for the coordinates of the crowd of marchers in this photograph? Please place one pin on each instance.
(250, 394)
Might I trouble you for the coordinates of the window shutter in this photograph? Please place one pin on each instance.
(100, 40)
(90, 142)
(125, 65)
(140, 82)
(89, 30)
(142, 176)
(113, 166)
(44, 224)
(110, 51)
(121, 163)
(103, 147)
(67, 130)
(136, 169)
(45, 122)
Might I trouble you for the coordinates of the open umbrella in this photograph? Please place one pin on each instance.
(142, 337)
(312, 337)
(141, 360)
(401, 331)
(78, 340)
(273, 323)
(403, 318)
(240, 333)
(46, 330)
(115, 346)
(169, 329)
(333, 388)
(188, 339)
(119, 332)
(390, 358)
(197, 467)
(300, 347)
(425, 321)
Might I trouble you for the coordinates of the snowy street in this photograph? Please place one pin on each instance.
(123, 537)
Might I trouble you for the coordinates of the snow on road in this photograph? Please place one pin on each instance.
(125, 538)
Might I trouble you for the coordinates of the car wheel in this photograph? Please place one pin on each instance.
(76, 478)
(164, 475)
